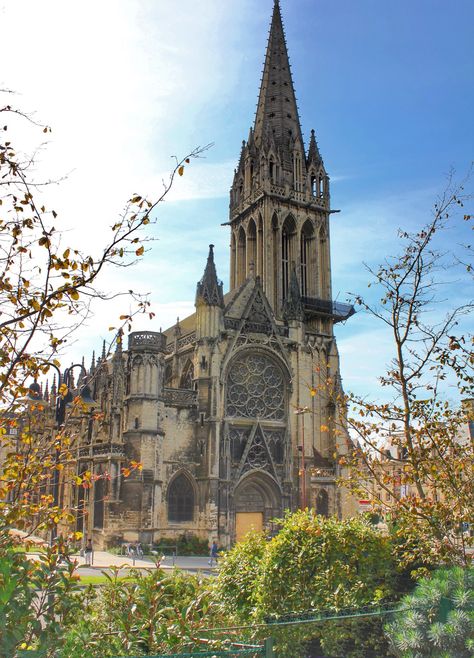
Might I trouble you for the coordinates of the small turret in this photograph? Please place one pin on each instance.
(54, 389)
(209, 288)
(314, 156)
(209, 301)
(318, 180)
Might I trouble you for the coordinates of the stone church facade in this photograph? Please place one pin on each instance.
(232, 412)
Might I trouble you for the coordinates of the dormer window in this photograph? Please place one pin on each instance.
(314, 185)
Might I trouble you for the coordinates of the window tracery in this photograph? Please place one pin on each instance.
(255, 388)
(180, 500)
(238, 439)
(187, 377)
(257, 456)
(275, 440)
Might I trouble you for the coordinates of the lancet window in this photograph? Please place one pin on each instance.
(180, 500)
(285, 261)
(307, 259)
(322, 503)
(241, 257)
(187, 378)
(252, 246)
(297, 172)
(99, 498)
(287, 255)
(259, 269)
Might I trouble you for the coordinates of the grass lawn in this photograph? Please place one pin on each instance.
(99, 579)
(28, 548)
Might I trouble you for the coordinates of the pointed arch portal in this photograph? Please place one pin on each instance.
(257, 500)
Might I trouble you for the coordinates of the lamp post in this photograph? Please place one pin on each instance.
(34, 395)
(301, 411)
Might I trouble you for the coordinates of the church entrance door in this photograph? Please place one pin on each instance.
(257, 500)
(247, 521)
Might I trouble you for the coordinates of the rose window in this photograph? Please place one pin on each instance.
(255, 388)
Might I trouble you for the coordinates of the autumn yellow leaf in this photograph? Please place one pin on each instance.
(181, 170)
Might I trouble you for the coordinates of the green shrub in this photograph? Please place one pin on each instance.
(313, 563)
(238, 574)
(185, 544)
(38, 598)
(147, 614)
(439, 620)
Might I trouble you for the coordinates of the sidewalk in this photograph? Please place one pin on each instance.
(103, 560)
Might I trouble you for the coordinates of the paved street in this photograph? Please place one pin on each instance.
(103, 560)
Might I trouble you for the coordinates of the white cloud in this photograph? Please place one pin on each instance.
(125, 84)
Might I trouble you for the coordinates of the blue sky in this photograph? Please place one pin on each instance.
(125, 84)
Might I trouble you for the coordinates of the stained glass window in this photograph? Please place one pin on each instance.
(180, 500)
(255, 388)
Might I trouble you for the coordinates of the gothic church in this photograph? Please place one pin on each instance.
(233, 411)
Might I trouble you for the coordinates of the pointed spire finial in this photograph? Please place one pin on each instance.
(104, 351)
(313, 150)
(277, 108)
(209, 288)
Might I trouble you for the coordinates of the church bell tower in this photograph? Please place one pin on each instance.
(279, 200)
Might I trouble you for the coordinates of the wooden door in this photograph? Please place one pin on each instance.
(247, 521)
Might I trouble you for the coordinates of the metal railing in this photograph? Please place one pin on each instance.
(166, 551)
(265, 649)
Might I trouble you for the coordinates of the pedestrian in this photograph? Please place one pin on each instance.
(88, 551)
(214, 553)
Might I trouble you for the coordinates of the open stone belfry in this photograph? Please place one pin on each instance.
(232, 412)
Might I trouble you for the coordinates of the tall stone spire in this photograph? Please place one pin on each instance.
(277, 112)
(280, 200)
(209, 288)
